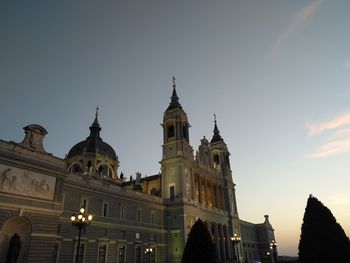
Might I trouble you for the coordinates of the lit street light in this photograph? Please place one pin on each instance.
(235, 240)
(80, 221)
(149, 251)
(273, 246)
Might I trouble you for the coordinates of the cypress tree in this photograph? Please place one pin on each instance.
(199, 246)
(322, 239)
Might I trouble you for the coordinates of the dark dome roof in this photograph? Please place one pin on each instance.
(93, 144)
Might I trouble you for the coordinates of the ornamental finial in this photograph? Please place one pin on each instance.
(97, 109)
(174, 84)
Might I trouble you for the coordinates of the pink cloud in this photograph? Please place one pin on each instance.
(330, 149)
(337, 122)
(297, 20)
(339, 134)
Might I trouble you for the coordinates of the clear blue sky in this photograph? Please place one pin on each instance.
(276, 73)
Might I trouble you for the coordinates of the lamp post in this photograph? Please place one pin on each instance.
(235, 240)
(80, 221)
(149, 250)
(273, 246)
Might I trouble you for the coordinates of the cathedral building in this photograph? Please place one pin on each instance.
(142, 219)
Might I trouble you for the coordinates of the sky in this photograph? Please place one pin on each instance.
(275, 73)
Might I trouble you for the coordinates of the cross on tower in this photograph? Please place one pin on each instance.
(174, 84)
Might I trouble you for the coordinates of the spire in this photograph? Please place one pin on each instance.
(95, 127)
(174, 98)
(96, 117)
(216, 136)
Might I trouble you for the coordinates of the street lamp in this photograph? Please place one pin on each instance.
(235, 240)
(149, 250)
(80, 221)
(273, 247)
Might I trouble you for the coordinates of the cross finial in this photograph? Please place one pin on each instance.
(174, 84)
(214, 117)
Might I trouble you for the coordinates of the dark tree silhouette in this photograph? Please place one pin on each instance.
(322, 238)
(199, 246)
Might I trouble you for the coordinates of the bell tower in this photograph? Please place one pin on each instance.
(221, 164)
(177, 151)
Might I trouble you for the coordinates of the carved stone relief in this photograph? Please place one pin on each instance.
(26, 183)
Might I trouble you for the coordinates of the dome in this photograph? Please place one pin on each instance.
(93, 144)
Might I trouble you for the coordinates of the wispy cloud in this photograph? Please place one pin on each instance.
(297, 20)
(335, 123)
(330, 149)
(342, 133)
(338, 141)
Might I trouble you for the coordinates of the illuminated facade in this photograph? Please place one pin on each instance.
(39, 192)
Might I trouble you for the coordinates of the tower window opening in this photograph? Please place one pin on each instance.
(171, 131)
(172, 192)
(216, 159)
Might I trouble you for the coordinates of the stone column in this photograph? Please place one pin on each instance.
(217, 240)
(228, 242)
(218, 191)
(213, 194)
(223, 207)
(192, 184)
(199, 189)
(222, 242)
(206, 191)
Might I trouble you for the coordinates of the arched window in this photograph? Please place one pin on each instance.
(216, 159)
(75, 168)
(104, 170)
(154, 191)
(15, 235)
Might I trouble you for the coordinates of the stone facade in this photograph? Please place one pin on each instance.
(39, 192)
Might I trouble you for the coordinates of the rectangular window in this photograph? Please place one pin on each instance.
(153, 217)
(138, 254)
(138, 215)
(172, 192)
(121, 253)
(81, 252)
(105, 208)
(122, 213)
(102, 253)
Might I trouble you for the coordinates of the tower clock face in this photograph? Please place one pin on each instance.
(171, 171)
